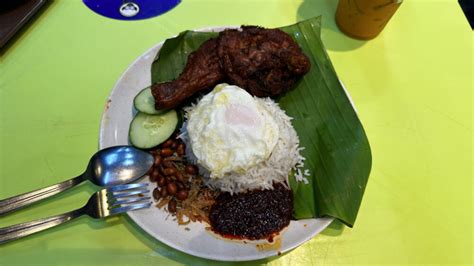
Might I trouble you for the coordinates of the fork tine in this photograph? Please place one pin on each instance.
(127, 186)
(116, 202)
(130, 208)
(120, 194)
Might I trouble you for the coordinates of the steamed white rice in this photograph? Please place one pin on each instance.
(284, 158)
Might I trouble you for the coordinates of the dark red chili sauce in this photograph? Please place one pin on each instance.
(253, 215)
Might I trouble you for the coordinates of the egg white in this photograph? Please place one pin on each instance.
(230, 131)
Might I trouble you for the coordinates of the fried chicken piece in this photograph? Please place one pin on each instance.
(202, 71)
(265, 62)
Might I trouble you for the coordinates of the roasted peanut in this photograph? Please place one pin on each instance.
(154, 175)
(169, 171)
(161, 181)
(156, 193)
(167, 143)
(158, 160)
(166, 152)
(180, 176)
(172, 188)
(182, 194)
(163, 192)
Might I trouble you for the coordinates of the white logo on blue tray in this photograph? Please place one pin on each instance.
(129, 9)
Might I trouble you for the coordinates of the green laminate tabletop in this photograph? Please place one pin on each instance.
(412, 87)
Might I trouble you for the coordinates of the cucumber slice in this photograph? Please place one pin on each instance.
(145, 103)
(147, 131)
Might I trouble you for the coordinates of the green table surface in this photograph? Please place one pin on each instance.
(412, 87)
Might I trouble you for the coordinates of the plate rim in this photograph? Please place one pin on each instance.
(325, 221)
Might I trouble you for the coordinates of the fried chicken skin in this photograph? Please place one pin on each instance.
(202, 71)
(265, 62)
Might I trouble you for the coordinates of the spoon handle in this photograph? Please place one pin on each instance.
(20, 201)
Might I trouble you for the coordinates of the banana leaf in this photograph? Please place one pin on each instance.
(337, 151)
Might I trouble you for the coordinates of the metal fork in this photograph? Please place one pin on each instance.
(103, 203)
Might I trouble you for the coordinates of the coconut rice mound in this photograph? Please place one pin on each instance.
(284, 158)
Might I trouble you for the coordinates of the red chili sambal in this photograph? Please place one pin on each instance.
(257, 214)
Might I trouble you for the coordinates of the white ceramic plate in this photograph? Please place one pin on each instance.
(193, 239)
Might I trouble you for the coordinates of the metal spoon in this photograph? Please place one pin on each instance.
(108, 167)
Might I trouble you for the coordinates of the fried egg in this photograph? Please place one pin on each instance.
(230, 131)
